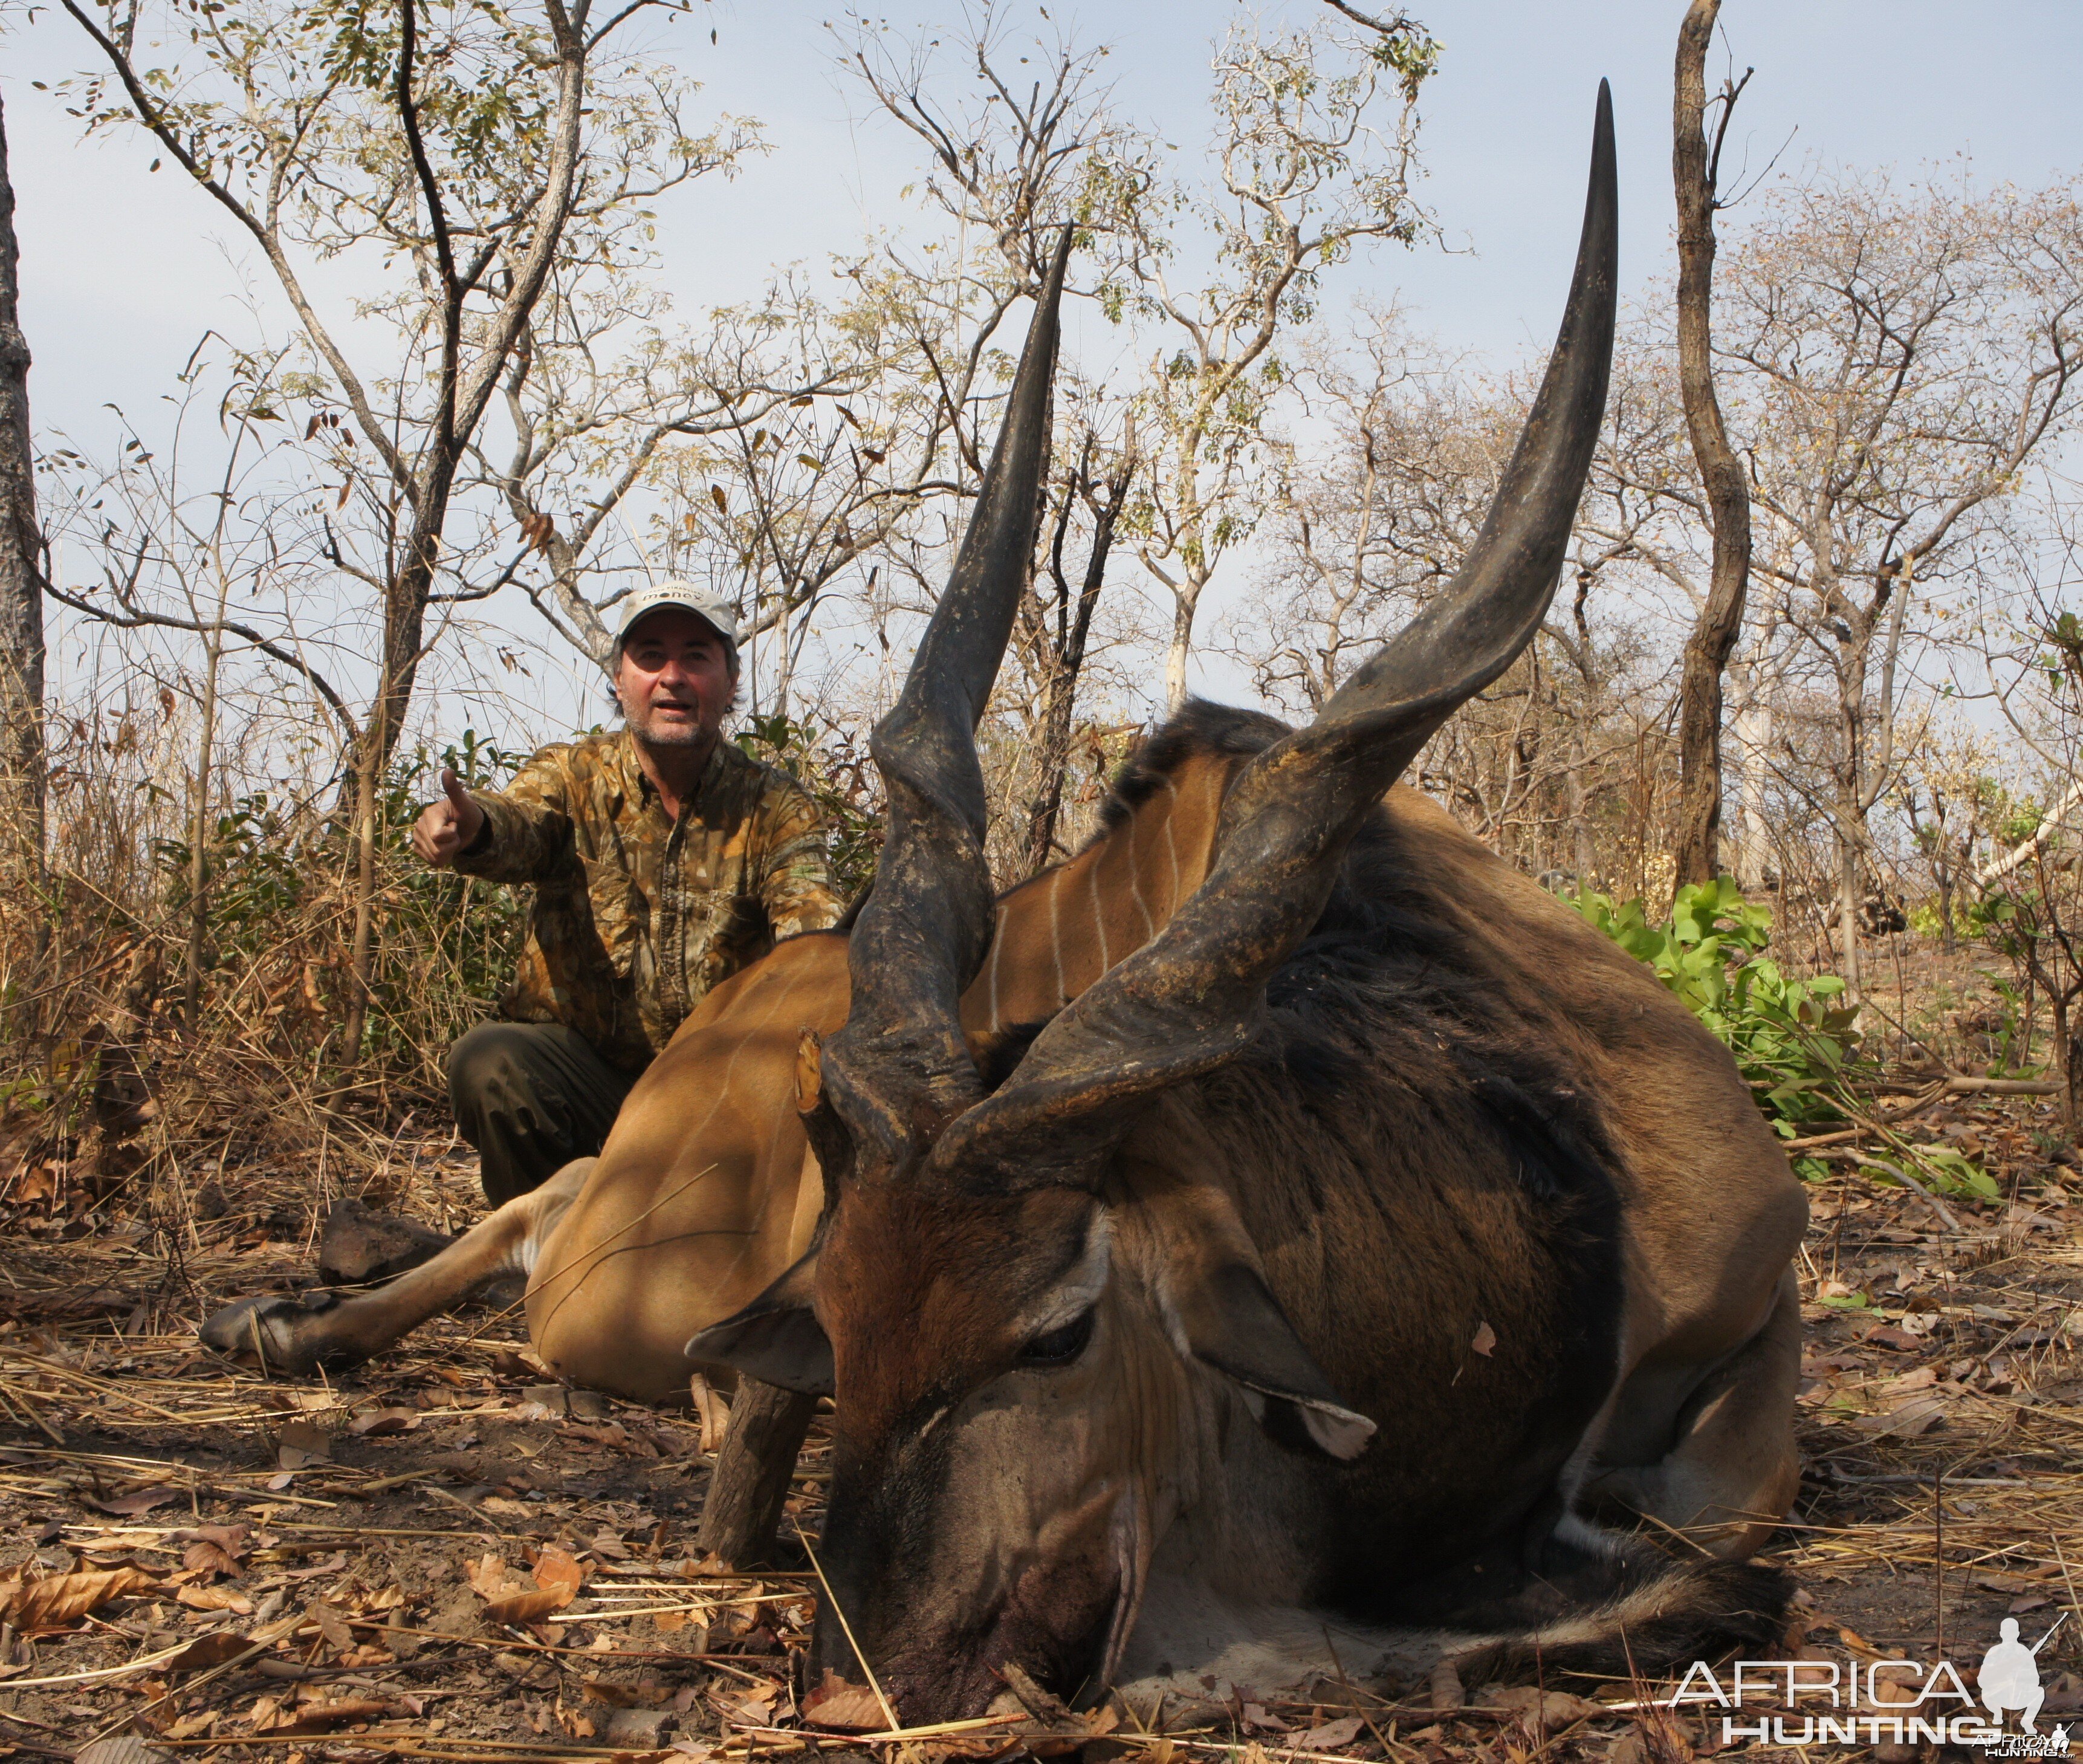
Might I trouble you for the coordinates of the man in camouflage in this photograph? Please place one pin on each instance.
(664, 860)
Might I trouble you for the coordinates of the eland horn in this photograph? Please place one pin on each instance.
(900, 1067)
(1190, 998)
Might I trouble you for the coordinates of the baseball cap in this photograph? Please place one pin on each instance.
(705, 603)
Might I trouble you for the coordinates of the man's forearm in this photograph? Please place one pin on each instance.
(516, 842)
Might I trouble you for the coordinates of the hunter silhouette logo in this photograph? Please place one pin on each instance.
(1869, 1703)
(2010, 1675)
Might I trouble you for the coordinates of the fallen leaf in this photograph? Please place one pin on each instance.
(301, 1443)
(1901, 1341)
(513, 1597)
(118, 1748)
(65, 1598)
(208, 1651)
(323, 1717)
(215, 1598)
(234, 1540)
(1918, 1415)
(379, 1423)
(129, 1506)
(1549, 1709)
(317, 1571)
(755, 1708)
(189, 1726)
(331, 1625)
(1486, 1342)
(1921, 1379)
(1331, 1736)
(209, 1557)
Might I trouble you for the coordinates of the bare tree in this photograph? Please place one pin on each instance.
(448, 137)
(1054, 628)
(1895, 359)
(21, 577)
(1696, 171)
(1307, 168)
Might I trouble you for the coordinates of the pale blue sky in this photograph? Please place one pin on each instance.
(122, 271)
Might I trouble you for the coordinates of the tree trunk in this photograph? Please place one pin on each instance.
(750, 1480)
(1073, 632)
(198, 834)
(1754, 728)
(21, 577)
(1847, 887)
(370, 751)
(1693, 171)
(1582, 858)
(1186, 596)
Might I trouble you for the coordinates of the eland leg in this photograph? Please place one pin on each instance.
(324, 1328)
(752, 1469)
(1734, 1469)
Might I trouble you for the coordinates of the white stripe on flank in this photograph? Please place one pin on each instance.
(1099, 913)
(1056, 938)
(997, 944)
(1135, 883)
(1172, 850)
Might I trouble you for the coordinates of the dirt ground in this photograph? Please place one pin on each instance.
(450, 1555)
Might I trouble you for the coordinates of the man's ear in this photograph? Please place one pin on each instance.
(1204, 1270)
(776, 1339)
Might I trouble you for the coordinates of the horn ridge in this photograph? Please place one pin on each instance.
(1190, 998)
(900, 1066)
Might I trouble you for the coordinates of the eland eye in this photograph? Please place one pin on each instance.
(1059, 1346)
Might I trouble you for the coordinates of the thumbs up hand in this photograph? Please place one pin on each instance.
(446, 826)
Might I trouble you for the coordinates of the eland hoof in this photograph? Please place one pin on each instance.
(277, 1334)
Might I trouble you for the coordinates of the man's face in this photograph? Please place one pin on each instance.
(674, 679)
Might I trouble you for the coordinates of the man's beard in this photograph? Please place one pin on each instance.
(654, 732)
(676, 735)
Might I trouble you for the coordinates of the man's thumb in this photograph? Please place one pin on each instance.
(452, 787)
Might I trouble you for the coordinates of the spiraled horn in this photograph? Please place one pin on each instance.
(900, 1066)
(1188, 999)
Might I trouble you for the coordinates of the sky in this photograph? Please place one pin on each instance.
(123, 270)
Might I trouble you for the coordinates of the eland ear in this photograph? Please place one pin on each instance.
(776, 1339)
(1231, 1323)
(1218, 1309)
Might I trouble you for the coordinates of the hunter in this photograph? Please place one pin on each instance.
(664, 859)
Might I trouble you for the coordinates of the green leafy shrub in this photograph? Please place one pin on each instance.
(1796, 1042)
(1793, 1039)
(280, 921)
(824, 761)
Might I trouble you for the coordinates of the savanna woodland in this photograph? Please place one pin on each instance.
(1802, 731)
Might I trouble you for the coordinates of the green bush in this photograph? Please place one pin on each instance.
(1797, 1042)
(1793, 1039)
(281, 919)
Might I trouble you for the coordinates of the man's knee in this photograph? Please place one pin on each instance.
(488, 1073)
(487, 1068)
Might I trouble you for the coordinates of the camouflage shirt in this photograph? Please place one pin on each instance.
(636, 915)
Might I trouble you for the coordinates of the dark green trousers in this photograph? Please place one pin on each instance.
(531, 1097)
